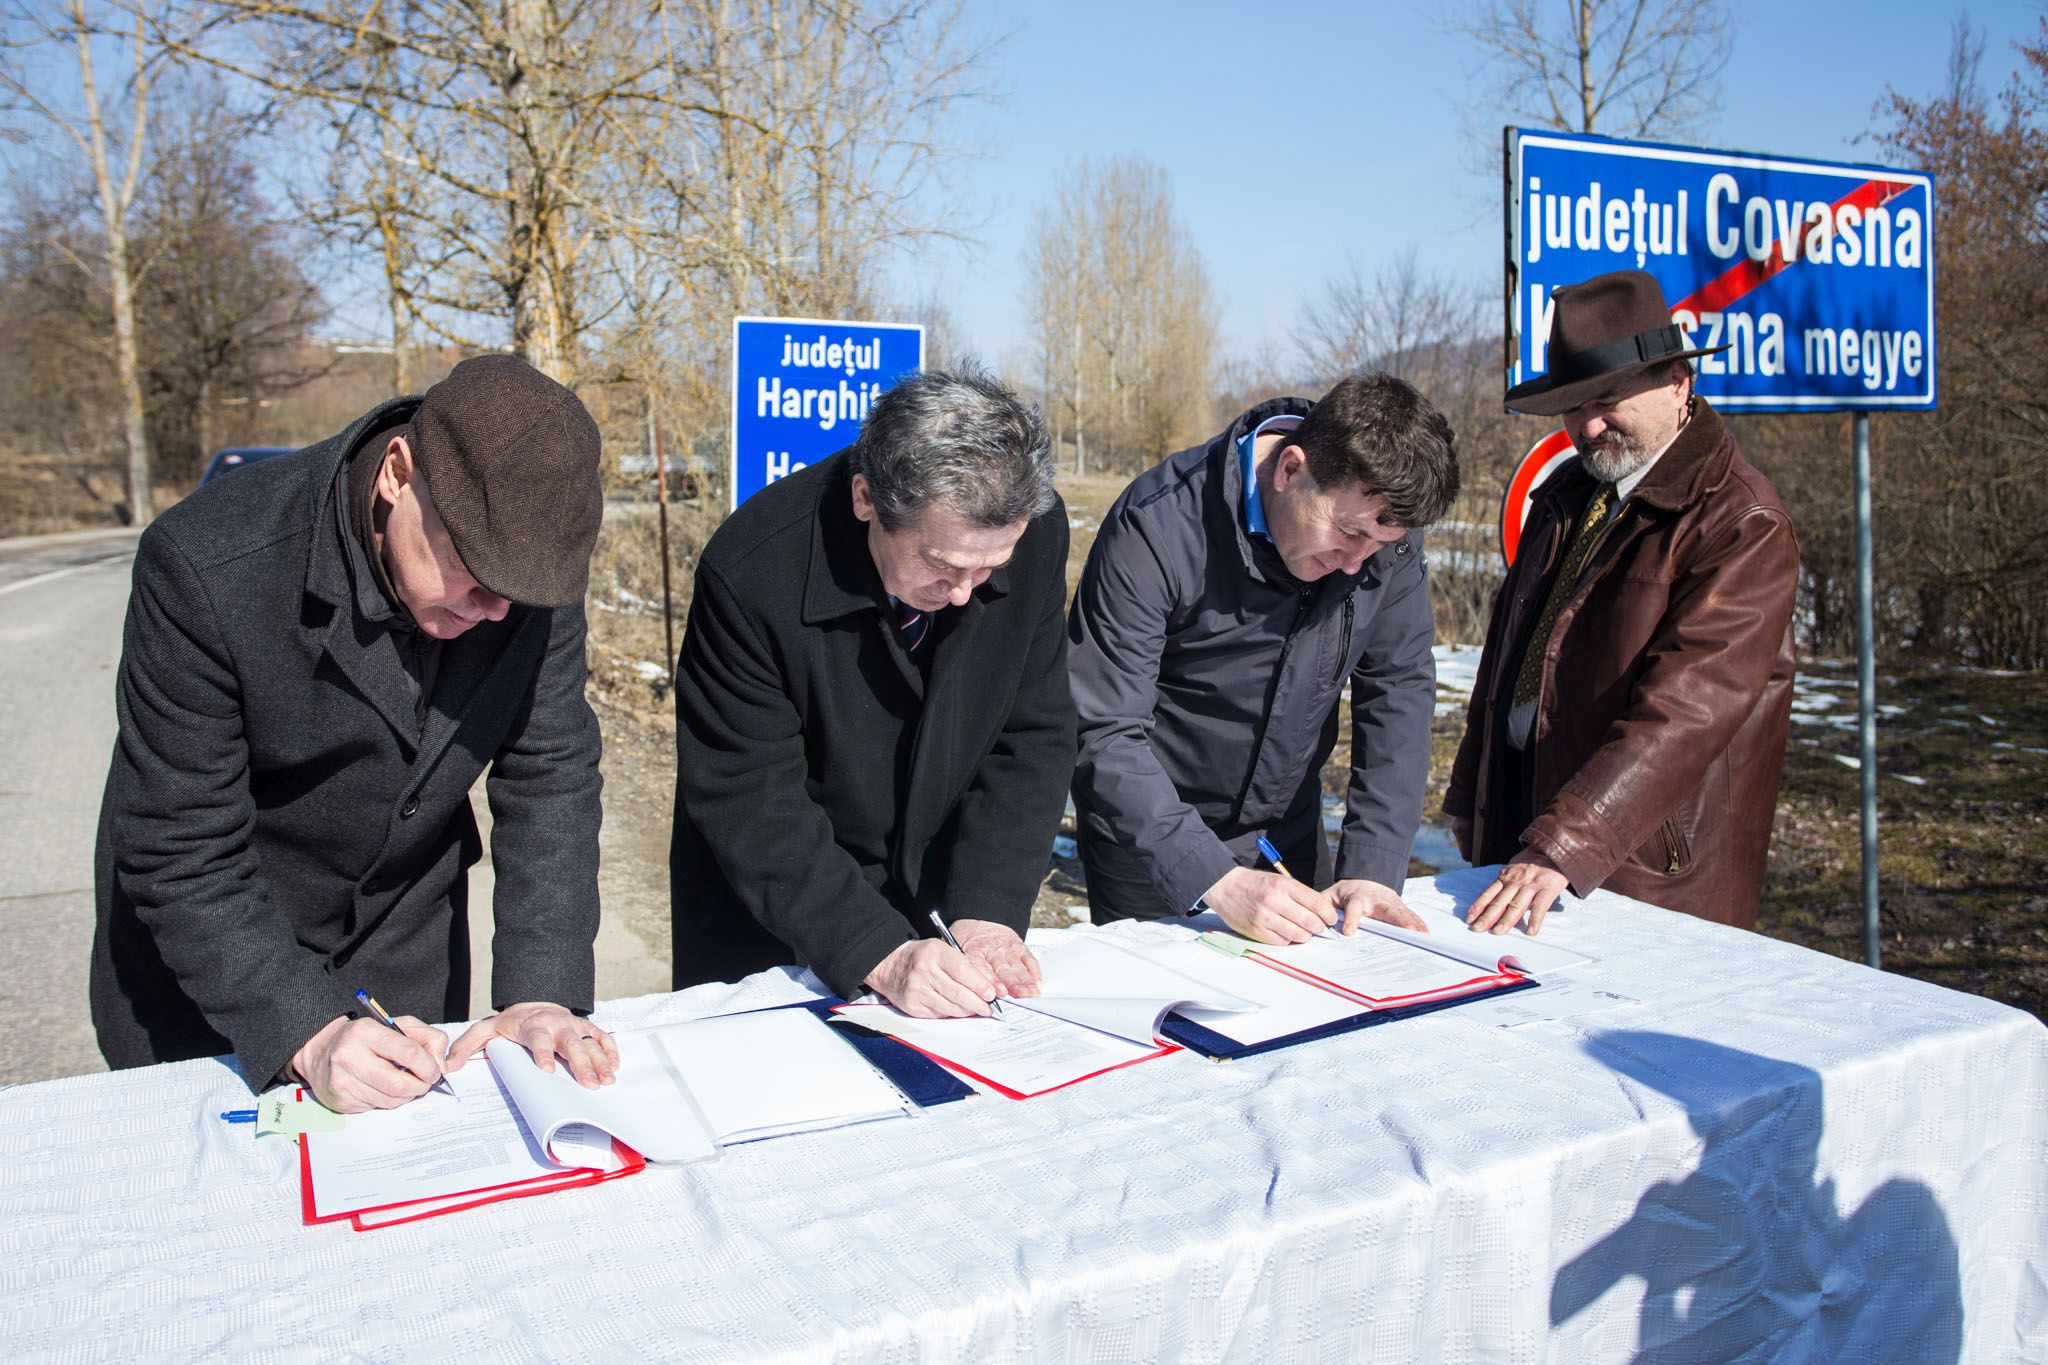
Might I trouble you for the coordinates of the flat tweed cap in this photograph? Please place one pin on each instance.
(511, 460)
(1601, 331)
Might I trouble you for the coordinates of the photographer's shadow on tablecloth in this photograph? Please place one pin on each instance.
(1748, 1258)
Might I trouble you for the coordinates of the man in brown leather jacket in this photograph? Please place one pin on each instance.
(1627, 726)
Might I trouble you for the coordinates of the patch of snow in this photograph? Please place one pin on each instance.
(1988, 721)
(1908, 777)
(1848, 761)
(1078, 913)
(649, 670)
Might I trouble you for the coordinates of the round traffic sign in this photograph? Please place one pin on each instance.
(1543, 458)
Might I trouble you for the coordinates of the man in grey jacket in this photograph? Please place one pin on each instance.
(1232, 593)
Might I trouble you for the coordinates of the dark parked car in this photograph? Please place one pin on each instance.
(234, 457)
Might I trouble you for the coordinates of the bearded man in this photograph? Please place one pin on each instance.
(1627, 725)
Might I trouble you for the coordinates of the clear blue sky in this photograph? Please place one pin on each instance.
(1298, 133)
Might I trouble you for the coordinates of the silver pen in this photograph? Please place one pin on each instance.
(995, 1007)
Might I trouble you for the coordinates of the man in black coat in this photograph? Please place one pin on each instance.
(322, 653)
(872, 718)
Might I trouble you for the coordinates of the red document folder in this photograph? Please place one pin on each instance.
(411, 1211)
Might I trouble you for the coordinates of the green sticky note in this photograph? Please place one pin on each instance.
(276, 1114)
(1228, 943)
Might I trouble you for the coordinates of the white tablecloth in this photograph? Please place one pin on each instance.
(1777, 1156)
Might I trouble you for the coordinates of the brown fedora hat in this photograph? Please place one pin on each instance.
(1611, 325)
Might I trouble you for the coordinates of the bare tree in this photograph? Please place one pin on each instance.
(1629, 68)
(1411, 322)
(226, 307)
(1125, 321)
(92, 121)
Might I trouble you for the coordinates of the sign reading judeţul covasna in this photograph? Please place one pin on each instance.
(1818, 276)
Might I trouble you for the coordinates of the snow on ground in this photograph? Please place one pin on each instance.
(1457, 666)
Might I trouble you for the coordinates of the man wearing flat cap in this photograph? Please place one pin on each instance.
(322, 653)
(1627, 726)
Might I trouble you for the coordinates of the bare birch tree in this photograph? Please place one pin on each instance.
(92, 121)
(1125, 321)
(1627, 68)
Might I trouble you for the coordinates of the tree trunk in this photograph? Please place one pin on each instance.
(1586, 107)
(114, 211)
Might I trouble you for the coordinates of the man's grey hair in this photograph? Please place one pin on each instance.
(957, 438)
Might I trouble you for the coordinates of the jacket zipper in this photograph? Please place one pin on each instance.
(1344, 644)
(1674, 849)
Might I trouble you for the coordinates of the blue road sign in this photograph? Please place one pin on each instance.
(1819, 276)
(801, 388)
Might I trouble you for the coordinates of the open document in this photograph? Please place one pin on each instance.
(1100, 1008)
(510, 1129)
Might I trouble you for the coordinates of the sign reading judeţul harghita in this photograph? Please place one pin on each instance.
(802, 387)
(1817, 276)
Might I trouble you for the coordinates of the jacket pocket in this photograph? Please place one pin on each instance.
(1677, 849)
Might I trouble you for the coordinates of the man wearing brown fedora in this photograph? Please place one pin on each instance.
(1627, 725)
(322, 654)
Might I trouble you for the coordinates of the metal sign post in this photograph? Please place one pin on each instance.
(1866, 687)
(1818, 277)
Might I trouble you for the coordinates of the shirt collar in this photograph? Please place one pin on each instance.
(1247, 445)
(1624, 487)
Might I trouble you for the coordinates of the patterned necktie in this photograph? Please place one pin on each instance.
(1529, 681)
(914, 625)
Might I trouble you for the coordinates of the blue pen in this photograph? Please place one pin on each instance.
(368, 1002)
(238, 1115)
(1273, 857)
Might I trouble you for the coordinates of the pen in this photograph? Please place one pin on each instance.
(369, 1002)
(995, 1007)
(1273, 856)
(238, 1115)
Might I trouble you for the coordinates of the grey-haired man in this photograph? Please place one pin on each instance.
(872, 716)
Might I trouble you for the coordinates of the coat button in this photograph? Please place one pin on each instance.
(409, 809)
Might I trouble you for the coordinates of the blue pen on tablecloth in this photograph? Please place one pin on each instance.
(995, 1007)
(238, 1115)
(369, 1002)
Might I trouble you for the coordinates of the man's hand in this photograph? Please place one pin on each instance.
(928, 978)
(1269, 907)
(547, 1031)
(1359, 899)
(997, 947)
(1528, 885)
(1461, 832)
(352, 1065)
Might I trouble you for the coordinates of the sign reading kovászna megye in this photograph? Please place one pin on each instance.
(1819, 277)
(802, 386)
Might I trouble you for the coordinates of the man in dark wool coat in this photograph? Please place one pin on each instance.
(1627, 724)
(872, 717)
(322, 653)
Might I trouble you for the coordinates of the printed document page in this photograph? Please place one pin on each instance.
(1441, 904)
(1020, 1052)
(1285, 1005)
(1381, 970)
(684, 1089)
(1099, 984)
(431, 1148)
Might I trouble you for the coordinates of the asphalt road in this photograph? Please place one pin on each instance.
(62, 599)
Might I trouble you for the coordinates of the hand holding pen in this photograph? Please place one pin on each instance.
(369, 1062)
(995, 1007)
(369, 1002)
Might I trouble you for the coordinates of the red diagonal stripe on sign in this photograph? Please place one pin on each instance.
(1739, 279)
